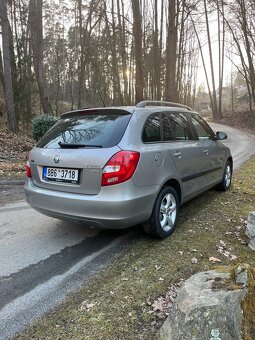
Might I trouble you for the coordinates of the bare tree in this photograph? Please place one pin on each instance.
(123, 52)
(171, 49)
(156, 56)
(209, 42)
(240, 23)
(36, 32)
(150, 51)
(221, 46)
(7, 70)
(137, 31)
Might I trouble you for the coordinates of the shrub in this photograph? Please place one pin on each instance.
(41, 124)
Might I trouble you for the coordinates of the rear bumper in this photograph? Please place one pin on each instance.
(112, 208)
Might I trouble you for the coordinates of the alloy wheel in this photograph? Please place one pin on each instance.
(168, 212)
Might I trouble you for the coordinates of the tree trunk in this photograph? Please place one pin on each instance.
(171, 49)
(203, 59)
(121, 23)
(250, 55)
(117, 96)
(160, 95)
(82, 58)
(7, 71)
(137, 31)
(182, 41)
(156, 57)
(13, 58)
(221, 52)
(213, 97)
(36, 32)
(2, 71)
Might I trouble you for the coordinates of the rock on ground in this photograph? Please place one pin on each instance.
(250, 230)
(206, 308)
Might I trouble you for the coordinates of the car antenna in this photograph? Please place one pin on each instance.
(101, 97)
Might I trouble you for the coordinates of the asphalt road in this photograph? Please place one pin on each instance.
(42, 259)
(241, 144)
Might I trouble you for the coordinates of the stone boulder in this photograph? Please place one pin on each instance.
(250, 230)
(206, 307)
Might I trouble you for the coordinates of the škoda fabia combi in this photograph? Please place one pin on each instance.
(118, 167)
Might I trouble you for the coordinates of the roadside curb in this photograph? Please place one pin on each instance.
(14, 206)
(7, 182)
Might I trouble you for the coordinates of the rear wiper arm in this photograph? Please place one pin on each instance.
(77, 145)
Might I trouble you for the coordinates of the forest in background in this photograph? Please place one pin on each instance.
(61, 55)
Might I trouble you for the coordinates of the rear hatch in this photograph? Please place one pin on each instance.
(72, 154)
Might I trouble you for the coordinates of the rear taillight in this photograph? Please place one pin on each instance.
(120, 167)
(28, 170)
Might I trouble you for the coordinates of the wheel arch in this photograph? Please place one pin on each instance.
(176, 186)
(230, 159)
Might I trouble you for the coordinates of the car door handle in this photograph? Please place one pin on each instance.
(178, 154)
(205, 151)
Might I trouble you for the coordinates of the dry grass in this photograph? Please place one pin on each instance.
(248, 307)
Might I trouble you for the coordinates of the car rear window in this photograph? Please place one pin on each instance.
(99, 130)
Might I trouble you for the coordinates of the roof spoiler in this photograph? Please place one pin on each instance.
(95, 110)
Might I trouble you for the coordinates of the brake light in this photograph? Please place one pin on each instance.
(28, 170)
(120, 167)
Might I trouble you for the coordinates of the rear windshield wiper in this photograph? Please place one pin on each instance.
(77, 145)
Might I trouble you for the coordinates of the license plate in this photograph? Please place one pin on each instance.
(61, 175)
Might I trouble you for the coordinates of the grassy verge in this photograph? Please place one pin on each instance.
(248, 306)
(117, 303)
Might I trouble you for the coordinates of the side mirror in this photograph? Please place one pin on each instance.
(221, 135)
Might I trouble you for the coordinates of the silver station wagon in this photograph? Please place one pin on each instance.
(117, 167)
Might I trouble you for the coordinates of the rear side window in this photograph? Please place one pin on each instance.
(171, 126)
(167, 129)
(151, 131)
(180, 127)
(105, 130)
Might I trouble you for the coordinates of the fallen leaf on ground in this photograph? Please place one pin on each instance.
(85, 305)
(158, 305)
(214, 259)
(161, 305)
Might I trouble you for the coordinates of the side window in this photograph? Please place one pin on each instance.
(167, 129)
(151, 130)
(180, 127)
(203, 131)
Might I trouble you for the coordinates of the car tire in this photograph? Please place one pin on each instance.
(227, 178)
(164, 215)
